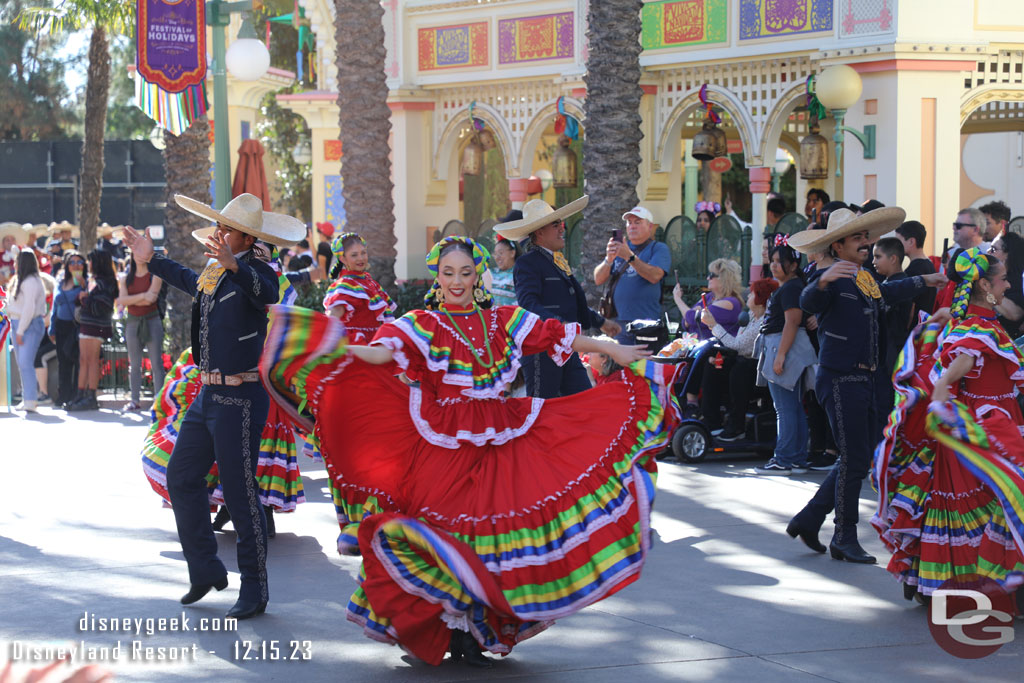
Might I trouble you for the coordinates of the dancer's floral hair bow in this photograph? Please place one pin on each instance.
(781, 240)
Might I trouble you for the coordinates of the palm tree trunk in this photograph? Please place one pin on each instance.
(365, 121)
(611, 148)
(187, 169)
(97, 90)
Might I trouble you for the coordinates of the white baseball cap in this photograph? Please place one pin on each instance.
(639, 212)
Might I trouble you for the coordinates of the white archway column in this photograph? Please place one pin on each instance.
(760, 186)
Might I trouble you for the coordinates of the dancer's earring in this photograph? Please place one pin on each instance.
(990, 299)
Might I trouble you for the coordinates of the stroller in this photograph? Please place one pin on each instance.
(692, 441)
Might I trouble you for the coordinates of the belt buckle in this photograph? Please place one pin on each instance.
(232, 380)
(215, 378)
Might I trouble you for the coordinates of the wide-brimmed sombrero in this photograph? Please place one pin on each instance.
(844, 223)
(62, 226)
(537, 214)
(10, 228)
(245, 213)
(108, 230)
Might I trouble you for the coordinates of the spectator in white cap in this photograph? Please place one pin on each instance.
(635, 266)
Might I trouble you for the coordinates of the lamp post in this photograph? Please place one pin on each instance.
(838, 88)
(248, 60)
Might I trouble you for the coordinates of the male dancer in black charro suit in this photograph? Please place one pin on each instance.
(225, 421)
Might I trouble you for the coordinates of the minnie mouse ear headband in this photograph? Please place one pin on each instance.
(713, 207)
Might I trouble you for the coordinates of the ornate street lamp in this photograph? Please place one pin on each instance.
(302, 154)
(837, 88)
(248, 60)
(473, 157)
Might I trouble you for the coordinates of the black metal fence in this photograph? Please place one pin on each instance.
(39, 182)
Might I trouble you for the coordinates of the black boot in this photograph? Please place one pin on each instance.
(81, 401)
(851, 552)
(807, 535)
(271, 529)
(222, 518)
(66, 405)
(464, 646)
(93, 403)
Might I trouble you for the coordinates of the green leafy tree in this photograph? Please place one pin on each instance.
(101, 17)
(279, 131)
(35, 103)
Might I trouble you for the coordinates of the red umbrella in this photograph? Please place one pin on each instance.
(250, 175)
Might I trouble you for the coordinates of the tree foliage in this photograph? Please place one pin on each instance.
(34, 104)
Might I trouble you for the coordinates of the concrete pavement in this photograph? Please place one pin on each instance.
(726, 594)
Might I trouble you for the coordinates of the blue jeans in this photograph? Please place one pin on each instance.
(26, 352)
(790, 425)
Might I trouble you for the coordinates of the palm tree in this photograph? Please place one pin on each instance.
(611, 149)
(365, 122)
(101, 16)
(187, 170)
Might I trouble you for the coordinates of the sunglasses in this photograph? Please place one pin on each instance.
(957, 225)
(712, 276)
(76, 263)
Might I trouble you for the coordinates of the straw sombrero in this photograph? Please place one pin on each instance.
(245, 213)
(15, 230)
(537, 214)
(844, 223)
(64, 225)
(108, 230)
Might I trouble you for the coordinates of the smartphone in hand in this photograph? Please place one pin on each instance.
(617, 235)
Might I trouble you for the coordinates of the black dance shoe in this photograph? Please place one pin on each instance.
(851, 552)
(810, 538)
(271, 528)
(464, 646)
(222, 518)
(196, 592)
(246, 609)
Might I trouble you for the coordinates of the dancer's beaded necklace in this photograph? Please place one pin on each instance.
(469, 343)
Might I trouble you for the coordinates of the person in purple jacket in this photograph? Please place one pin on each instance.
(725, 286)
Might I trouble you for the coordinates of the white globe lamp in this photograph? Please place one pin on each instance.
(248, 58)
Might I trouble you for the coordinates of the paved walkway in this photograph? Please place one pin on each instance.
(726, 595)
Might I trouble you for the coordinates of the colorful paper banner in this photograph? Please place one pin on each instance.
(529, 39)
(171, 43)
(771, 18)
(676, 23)
(452, 47)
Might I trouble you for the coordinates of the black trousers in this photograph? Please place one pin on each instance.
(545, 379)
(742, 381)
(223, 425)
(817, 423)
(849, 401)
(67, 359)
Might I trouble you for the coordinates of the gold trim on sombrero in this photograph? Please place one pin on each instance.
(537, 214)
(245, 213)
(843, 223)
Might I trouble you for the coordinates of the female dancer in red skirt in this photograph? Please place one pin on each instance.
(480, 519)
(949, 473)
(355, 298)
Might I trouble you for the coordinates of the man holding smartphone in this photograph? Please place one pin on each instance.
(638, 263)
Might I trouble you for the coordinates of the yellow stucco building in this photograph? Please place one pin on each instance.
(935, 73)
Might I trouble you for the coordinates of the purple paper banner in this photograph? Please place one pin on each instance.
(171, 42)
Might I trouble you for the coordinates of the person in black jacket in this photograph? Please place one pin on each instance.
(225, 421)
(96, 315)
(848, 302)
(546, 286)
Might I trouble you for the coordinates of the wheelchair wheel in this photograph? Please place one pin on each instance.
(690, 443)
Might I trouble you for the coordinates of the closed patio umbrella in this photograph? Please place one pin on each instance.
(250, 176)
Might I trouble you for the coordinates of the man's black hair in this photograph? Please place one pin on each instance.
(891, 246)
(777, 205)
(913, 230)
(818, 193)
(998, 210)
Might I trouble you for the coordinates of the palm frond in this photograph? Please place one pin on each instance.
(116, 16)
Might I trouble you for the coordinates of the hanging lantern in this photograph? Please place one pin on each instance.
(473, 157)
(814, 154)
(704, 143)
(563, 164)
(721, 146)
(487, 140)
